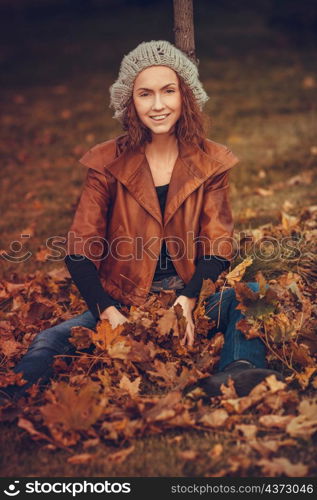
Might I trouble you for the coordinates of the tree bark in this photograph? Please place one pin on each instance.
(184, 28)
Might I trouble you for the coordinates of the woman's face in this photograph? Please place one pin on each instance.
(157, 98)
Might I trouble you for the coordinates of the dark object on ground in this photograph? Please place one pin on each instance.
(244, 374)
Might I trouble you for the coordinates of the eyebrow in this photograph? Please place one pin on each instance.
(143, 88)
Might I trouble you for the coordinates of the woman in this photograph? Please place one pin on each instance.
(154, 213)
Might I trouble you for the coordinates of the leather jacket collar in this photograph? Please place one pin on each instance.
(193, 166)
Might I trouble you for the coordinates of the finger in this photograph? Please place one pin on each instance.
(187, 337)
(190, 336)
(190, 341)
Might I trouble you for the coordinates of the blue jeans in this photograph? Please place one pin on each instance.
(36, 364)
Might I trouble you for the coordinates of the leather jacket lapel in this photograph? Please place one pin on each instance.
(133, 171)
(191, 169)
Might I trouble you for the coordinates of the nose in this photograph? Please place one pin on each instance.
(158, 104)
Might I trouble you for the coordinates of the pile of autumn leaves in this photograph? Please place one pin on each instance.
(138, 379)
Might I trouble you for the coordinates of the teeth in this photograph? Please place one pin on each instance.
(158, 117)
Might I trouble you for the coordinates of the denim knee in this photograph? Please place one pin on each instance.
(52, 338)
(254, 285)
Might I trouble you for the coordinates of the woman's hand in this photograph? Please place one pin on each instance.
(114, 316)
(188, 305)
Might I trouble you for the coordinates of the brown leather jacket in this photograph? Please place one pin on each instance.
(118, 222)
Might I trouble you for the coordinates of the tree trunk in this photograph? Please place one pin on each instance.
(184, 28)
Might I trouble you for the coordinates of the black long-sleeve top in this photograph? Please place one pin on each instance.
(85, 275)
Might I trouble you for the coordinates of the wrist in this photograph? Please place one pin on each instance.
(191, 301)
(105, 313)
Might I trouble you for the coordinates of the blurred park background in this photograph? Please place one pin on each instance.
(59, 57)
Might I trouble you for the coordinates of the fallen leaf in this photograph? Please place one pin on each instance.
(90, 443)
(175, 439)
(305, 424)
(228, 390)
(105, 334)
(305, 376)
(248, 431)
(237, 273)
(165, 408)
(188, 454)
(82, 458)
(216, 418)
(131, 387)
(216, 451)
(81, 337)
(276, 421)
(167, 322)
(282, 466)
(263, 192)
(120, 456)
(73, 410)
(274, 384)
(29, 427)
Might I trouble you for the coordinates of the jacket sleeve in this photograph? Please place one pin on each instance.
(87, 234)
(216, 222)
(85, 276)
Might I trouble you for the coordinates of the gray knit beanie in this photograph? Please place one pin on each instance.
(153, 53)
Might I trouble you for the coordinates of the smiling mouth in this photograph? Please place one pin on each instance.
(159, 118)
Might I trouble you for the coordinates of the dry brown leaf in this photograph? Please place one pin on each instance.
(282, 466)
(166, 371)
(10, 347)
(216, 418)
(276, 421)
(188, 454)
(105, 334)
(216, 451)
(73, 410)
(289, 221)
(167, 322)
(238, 272)
(274, 384)
(82, 458)
(165, 408)
(183, 419)
(305, 424)
(120, 456)
(228, 390)
(305, 376)
(81, 337)
(248, 431)
(263, 191)
(90, 443)
(42, 254)
(29, 427)
(131, 387)
(240, 405)
(175, 439)
(119, 349)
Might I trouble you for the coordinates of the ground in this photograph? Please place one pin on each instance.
(57, 71)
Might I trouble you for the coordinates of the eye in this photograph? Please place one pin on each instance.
(144, 94)
(170, 91)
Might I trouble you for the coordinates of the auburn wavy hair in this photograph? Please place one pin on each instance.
(191, 127)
